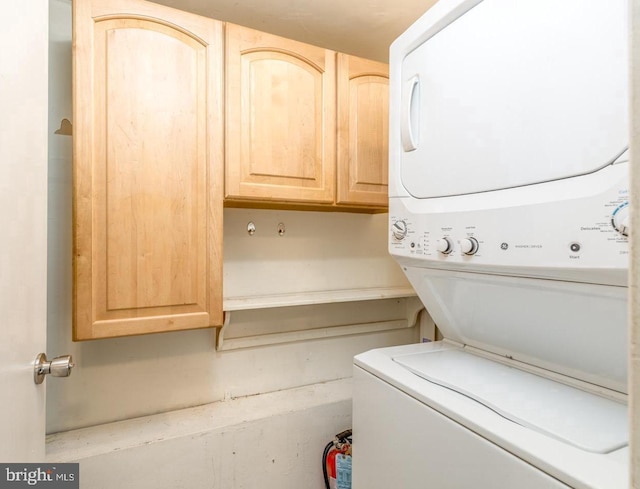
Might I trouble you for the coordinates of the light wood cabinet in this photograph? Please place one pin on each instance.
(363, 131)
(148, 169)
(150, 130)
(280, 124)
(300, 130)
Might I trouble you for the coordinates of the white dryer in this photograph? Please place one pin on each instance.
(509, 215)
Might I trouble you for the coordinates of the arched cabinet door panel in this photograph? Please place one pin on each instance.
(363, 131)
(280, 125)
(148, 169)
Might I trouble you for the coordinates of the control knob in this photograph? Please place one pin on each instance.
(444, 245)
(399, 230)
(620, 219)
(469, 246)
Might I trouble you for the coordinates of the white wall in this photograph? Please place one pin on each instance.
(634, 270)
(271, 441)
(116, 379)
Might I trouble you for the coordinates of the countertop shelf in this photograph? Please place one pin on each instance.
(408, 319)
(315, 297)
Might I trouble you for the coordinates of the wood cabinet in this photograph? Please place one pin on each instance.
(301, 131)
(280, 124)
(363, 131)
(148, 169)
(150, 131)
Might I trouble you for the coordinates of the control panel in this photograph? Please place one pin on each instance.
(578, 223)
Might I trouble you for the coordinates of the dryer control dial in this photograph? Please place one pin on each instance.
(469, 246)
(399, 230)
(620, 219)
(444, 245)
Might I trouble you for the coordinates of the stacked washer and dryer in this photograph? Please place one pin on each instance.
(509, 215)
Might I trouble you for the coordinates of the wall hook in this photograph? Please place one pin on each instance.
(66, 129)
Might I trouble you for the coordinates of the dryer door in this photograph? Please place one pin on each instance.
(515, 92)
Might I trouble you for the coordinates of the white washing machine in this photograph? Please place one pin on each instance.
(509, 215)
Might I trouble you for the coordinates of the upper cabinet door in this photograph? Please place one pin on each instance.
(280, 136)
(363, 131)
(148, 169)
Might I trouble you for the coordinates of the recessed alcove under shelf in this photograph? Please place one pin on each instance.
(404, 315)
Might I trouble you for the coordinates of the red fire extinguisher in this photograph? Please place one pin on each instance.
(336, 462)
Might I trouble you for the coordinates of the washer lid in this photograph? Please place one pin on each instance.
(574, 329)
(515, 92)
(585, 420)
